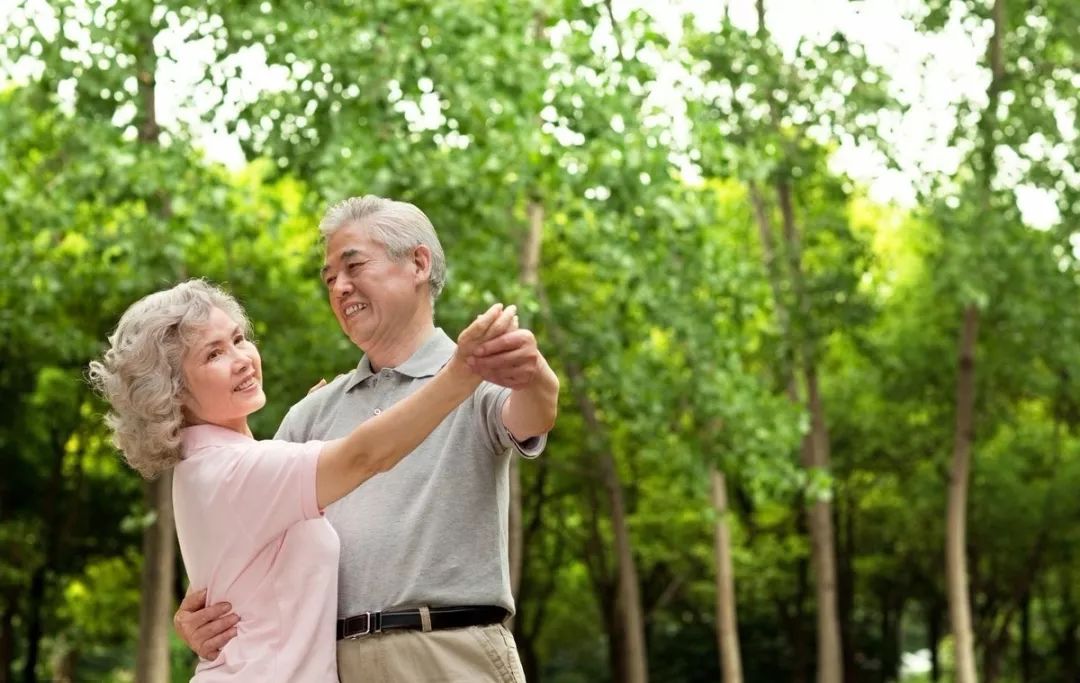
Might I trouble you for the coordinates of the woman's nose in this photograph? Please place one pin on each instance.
(241, 361)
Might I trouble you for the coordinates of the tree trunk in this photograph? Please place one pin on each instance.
(54, 532)
(792, 617)
(816, 458)
(514, 531)
(727, 632)
(7, 640)
(823, 554)
(628, 596)
(892, 614)
(772, 269)
(1025, 640)
(155, 587)
(529, 277)
(885, 635)
(933, 631)
(956, 516)
(1069, 651)
(815, 447)
(64, 664)
(816, 443)
(995, 651)
(35, 602)
(159, 537)
(845, 581)
(630, 629)
(536, 586)
(964, 432)
(1066, 646)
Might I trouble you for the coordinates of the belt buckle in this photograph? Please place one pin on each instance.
(372, 623)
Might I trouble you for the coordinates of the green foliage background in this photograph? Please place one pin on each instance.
(654, 304)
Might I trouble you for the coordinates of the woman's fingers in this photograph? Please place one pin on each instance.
(506, 322)
(477, 330)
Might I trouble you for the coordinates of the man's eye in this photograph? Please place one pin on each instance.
(213, 354)
(330, 282)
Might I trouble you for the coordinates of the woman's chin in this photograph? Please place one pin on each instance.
(257, 402)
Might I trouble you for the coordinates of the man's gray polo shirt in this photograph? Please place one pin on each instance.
(432, 530)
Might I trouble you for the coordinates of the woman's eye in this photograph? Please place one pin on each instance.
(213, 354)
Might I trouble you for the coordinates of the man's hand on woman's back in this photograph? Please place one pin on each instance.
(205, 629)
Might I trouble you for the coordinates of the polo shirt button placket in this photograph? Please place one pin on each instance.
(378, 411)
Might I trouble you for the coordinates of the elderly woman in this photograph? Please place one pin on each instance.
(182, 376)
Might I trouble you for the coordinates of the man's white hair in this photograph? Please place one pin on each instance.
(399, 226)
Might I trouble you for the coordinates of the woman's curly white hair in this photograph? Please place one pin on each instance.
(141, 374)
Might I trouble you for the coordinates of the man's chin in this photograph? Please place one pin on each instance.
(357, 339)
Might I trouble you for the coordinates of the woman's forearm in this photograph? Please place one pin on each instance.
(381, 442)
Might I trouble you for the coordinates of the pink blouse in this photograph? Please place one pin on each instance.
(252, 533)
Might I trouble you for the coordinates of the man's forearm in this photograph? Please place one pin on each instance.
(530, 411)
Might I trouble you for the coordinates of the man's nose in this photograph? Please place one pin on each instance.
(342, 286)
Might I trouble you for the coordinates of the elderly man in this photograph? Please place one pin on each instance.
(424, 580)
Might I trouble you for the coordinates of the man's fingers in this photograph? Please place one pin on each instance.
(214, 645)
(208, 633)
(510, 341)
(193, 601)
(201, 618)
(505, 361)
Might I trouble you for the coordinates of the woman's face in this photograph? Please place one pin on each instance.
(223, 373)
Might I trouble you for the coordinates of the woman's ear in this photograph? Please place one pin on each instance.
(187, 402)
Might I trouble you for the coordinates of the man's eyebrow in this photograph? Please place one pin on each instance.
(347, 254)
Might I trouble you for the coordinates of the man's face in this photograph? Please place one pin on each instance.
(374, 296)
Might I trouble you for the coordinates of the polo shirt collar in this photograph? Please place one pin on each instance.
(425, 361)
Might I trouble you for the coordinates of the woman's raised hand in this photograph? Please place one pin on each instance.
(494, 322)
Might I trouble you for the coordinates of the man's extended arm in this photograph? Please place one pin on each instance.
(513, 360)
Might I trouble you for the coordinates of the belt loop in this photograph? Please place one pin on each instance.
(425, 619)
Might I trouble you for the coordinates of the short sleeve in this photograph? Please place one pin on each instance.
(270, 486)
(490, 400)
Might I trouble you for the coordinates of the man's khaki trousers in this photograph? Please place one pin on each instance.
(477, 654)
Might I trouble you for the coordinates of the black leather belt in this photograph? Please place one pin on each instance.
(369, 623)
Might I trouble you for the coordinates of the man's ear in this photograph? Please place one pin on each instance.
(421, 260)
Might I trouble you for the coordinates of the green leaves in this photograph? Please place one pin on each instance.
(487, 116)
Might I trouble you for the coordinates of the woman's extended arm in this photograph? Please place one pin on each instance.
(381, 442)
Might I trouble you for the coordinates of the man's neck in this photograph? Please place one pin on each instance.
(402, 347)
